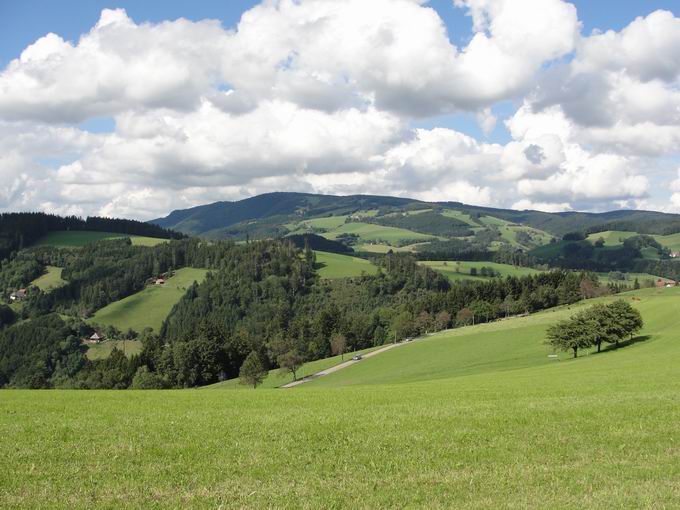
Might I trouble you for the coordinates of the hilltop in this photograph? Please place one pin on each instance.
(279, 213)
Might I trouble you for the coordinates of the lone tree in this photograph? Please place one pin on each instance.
(339, 345)
(576, 333)
(252, 371)
(291, 361)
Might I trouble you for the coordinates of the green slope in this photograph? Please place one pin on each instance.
(334, 265)
(510, 430)
(151, 306)
(460, 270)
(475, 417)
(69, 239)
(503, 345)
(50, 280)
(379, 233)
(276, 378)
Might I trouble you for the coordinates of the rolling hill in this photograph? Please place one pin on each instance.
(276, 210)
(471, 418)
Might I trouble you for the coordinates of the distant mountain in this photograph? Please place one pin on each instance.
(280, 214)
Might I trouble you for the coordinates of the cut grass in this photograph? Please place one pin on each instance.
(151, 306)
(50, 280)
(460, 270)
(71, 239)
(333, 265)
(511, 429)
(103, 349)
(276, 378)
(378, 233)
(616, 238)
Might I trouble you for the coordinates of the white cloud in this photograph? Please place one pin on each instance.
(319, 96)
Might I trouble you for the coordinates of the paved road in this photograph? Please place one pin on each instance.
(340, 366)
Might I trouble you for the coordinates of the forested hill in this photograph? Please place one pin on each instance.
(19, 230)
(270, 215)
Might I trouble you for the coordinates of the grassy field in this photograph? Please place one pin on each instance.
(50, 280)
(151, 306)
(378, 233)
(460, 270)
(102, 350)
(473, 418)
(616, 238)
(333, 265)
(276, 378)
(70, 239)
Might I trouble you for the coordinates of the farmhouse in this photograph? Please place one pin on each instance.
(95, 338)
(160, 281)
(661, 283)
(18, 295)
(675, 254)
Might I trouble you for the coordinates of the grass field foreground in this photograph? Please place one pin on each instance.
(596, 432)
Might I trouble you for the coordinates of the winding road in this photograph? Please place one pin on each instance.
(340, 366)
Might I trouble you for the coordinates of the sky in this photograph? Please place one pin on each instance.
(134, 109)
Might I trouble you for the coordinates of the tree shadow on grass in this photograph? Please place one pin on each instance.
(625, 343)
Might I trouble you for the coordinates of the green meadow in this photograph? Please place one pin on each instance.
(50, 280)
(334, 265)
(477, 417)
(149, 307)
(77, 238)
(369, 232)
(276, 377)
(103, 350)
(616, 238)
(460, 270)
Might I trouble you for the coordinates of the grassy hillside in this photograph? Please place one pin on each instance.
(616, 238)
(378, 233)
(509, 429)
(504, 345)
(334, 265)
(151, 306)
(460, 270)
(102, 350)
(78, 238)
(50, 280)
(276, 378)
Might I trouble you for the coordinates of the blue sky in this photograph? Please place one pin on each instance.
(144, 115)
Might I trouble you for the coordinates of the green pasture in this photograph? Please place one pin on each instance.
(477, 417)
(334, 265)
(50, 280)
(77, 238)
(103, 349)
(276, 377)
(378, 233)
(460, 270)
(149, 307)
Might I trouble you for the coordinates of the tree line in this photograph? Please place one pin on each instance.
(20, 230)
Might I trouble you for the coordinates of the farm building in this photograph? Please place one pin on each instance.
(160, 281)
(95, 338)
(661, 283)
(18, 295)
